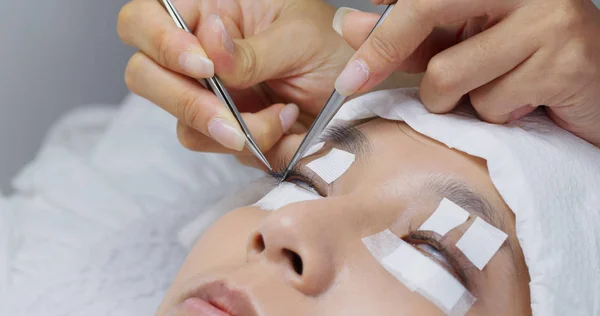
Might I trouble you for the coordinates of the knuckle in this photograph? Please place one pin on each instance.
(247, 72)
(132, 70)
(162, 43)
(385, 49)
(440, 76)
(583, 58)
(567, 19)
(425, 8)
(189, 111)
(577, 64)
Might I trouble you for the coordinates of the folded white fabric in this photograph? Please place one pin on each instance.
(547, 176)
(92, 226)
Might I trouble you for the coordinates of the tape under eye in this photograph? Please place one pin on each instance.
(419, 273)
(284, 194)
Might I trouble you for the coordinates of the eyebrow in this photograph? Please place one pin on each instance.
(348, 138)
(464, 196)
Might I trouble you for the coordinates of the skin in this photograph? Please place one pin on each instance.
(340, 276)
(509, 57)
(261, 77)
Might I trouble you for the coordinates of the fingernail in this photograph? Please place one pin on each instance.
(288, 116)
(338, 18)
(354, 76)
(196, 65)
(219, 26)
(227, 135)
(520, 112)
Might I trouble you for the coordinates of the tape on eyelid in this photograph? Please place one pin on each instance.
(284, 194)
(420, 273)
(445, 218)
(333, 165)
(313, 149)
(481, 242)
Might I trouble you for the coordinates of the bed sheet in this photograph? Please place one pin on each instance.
(92, 228)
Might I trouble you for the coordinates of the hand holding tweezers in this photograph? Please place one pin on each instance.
(215, 85)
(327, 113)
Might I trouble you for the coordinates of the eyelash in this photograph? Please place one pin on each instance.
(451, 255)
(294, 174)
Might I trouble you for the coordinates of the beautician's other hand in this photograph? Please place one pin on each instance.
(287, 44)
(509, 56)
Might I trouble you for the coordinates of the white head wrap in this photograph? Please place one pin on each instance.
(547, 176)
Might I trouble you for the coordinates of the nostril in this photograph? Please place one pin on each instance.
(295, 260)
(258, 243)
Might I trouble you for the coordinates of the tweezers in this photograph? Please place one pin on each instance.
(334, 103)
(216, 87)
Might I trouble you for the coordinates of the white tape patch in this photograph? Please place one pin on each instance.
(284, 194)
(313, 149)
(333, 165)
(382, 244)
(419, 273)
(481, 242)
(445, 218)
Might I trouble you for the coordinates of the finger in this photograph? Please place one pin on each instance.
(355, 26)
(146, 25)
(279, 156)
(185, 99)
(406, 27)
(474, 62)
(515, 94)
(271, 54)
(267, 128)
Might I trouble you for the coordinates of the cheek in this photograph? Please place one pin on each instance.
(374, 291)
(223, 244)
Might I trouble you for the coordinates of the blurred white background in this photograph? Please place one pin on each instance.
(56, 55)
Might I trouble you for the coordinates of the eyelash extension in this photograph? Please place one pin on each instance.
(277, 174)
(452, 255)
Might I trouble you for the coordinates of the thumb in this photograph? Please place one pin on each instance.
(242, 63)
(396, 38)
(355, 27)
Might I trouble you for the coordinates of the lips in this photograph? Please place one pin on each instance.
(217, 298)
(199, 307)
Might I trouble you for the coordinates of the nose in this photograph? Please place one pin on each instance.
(301, 243)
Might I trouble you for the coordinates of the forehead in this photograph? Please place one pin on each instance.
(399, 157)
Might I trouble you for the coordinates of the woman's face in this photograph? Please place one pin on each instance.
(307, 258)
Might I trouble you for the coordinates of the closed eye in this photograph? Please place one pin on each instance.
(298, 177)
(450, 258)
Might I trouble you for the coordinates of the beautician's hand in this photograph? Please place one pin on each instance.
(508, 56)
(287, 44)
